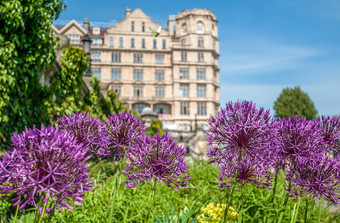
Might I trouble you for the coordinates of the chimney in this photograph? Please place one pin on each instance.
(171, 25)
(127, 12)
(87, 25)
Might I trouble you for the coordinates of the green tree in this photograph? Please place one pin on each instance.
(293, 101)
(27, 46)
(66, 89)
(112, 104)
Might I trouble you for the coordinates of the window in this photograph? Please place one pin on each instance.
(199, 27)
(116, 57)
(138, 74)
(97, 72)
(161, 109)
(184, 90)
(116, 89)
(159, 92)
(137, 91)
(159, 58)
(97, 41)
(111, 41)
(159, 76)
(116, 74)
(154, 44)
(201, 90)
(96, 56)
(132, 26)
(74, 39)
(184, 127)
(184, 56)
(143, 27)
(164, 44)
(203, 126)
(184, 73)
(200, 42)
(143, 43)
(138, 58)
(96, 30)
(202, 108)
(200, 73)
(183, 41)
(132, 43)
(185, 109)
(121, 43)
(184, 28)
(139, 107)
(200, 57)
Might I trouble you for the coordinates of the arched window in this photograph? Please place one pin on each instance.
(184, 28)
(200, 27)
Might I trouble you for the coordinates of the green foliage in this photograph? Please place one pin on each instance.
(293, 101)
(155, 127)
(27, 46)
(67, 85)
(110, 199)
(112, 104)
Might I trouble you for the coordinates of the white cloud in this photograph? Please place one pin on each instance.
(254, 56)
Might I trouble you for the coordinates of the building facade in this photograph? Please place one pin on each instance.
(175, 74)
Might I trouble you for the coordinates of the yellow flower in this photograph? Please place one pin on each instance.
(213, 214)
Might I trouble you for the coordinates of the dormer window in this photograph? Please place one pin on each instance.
(96, 30)
(184, 28)
(199, 27)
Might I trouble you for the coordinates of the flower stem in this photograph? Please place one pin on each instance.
(16, 213)
(295, 211)
(230, 197)
(113, 197)
(282, 210)
(306, 210)
(275, 184)
(37, 210)
(319, 211)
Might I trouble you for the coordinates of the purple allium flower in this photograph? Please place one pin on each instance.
(315, 175)
(156, 157)
(45, 164)
(330, 131)
(240, 130)
(87, 130)
(122, 130)
(247, 172)
(298, 137)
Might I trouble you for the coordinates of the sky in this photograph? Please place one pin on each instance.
(265, 45)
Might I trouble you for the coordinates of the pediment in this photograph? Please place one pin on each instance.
(73, 24)
(138, 16)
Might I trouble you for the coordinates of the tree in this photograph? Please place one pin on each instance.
(27, 46)
(66, 91)
(293, 101)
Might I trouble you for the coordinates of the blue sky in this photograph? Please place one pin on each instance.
(265, 45)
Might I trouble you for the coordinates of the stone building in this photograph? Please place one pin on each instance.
(175, 74)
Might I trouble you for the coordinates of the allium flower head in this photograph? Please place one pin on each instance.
(45, 164)
(247, 172)
(122, 130)
(330, 131)
(316, 175)
(240, 129)
(298, 137)
(87, 130)
(156, 157)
